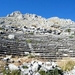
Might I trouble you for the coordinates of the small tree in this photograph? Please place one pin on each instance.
(68, 30)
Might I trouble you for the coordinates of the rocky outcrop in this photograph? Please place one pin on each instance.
(34, 23)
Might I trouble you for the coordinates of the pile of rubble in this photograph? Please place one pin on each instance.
(32, 67)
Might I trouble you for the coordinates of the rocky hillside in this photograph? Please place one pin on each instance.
(35, 24)
(47, 38)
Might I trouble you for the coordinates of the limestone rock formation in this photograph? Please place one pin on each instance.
(32, 23)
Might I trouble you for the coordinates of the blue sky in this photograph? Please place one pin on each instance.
(45, 8)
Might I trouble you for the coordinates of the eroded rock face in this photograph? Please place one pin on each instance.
(14, 14)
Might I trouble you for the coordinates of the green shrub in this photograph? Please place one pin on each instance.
(68, 30)
(25, 67)
(31, 56)
(15, 72)
(42, 72)
(1, 28)
(31, 33)
(59, 39)
(71, 36)
(29, 41)
(8, 72)
(51, 72)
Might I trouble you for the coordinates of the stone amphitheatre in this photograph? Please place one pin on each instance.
(52, 38)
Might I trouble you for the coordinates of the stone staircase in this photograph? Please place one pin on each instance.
(48, 47)
(13, 47)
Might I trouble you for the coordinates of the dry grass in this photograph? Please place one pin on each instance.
(66, 64)
(2, 64)
(25, 59)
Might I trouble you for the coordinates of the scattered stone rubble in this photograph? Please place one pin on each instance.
(33, 67)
